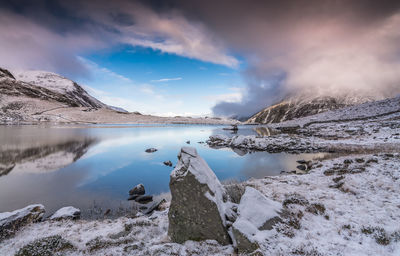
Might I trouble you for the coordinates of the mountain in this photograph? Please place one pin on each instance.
(33, 97)
(72, 94)
(301, 106)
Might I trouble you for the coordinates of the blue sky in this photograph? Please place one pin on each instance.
(152, 82)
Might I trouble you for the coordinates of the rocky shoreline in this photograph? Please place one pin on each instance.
(325, 203)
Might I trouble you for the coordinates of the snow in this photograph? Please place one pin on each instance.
(371, 201)
(256, 208)
(18, 213)
(66, 212)
(48, 80)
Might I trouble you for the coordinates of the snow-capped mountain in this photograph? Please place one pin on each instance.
(76, 96)
(301, 106)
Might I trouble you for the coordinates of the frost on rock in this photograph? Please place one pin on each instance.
(11, 222)
(68, 212)
(256, 215)
(197, 210)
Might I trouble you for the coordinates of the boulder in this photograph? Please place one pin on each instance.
(66, 213)
(11, 222)
(137, 190)
(197, 208)
(256, 213)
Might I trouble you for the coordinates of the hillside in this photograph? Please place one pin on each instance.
(33, 97)
(301, 106)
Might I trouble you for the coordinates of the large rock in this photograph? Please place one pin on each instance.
(256, 213)
(11, 222)
(197, 210)
(66, 213)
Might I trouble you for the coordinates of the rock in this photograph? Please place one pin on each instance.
(68, 212)
(197, 207)
(11, 222)
(137, 190)
(301, 161)
(233, 127)
(154, 206)
(168, 163)
(47, 246)
(151, 150)
(302, 167)
(144, 199)
(188, 142)
(132, 197)
(256, 213)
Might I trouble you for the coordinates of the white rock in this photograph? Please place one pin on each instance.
(68, 212)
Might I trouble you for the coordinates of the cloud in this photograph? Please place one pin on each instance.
(27, 45)
(50, 35)
(167, 79)
(310, 47)
(305, 46)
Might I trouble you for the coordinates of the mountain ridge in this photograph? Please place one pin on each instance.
(304, 105)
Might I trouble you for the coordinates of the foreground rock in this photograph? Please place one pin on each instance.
(197, 207)
(255, 214)
(66, 213)
(11, 222)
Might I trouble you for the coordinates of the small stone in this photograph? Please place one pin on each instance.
(151, 150)
(137, 190)
(302, 167)
(188, 142)
(168, 163)
(154, 206)
(301, 161)
(65, 213)
(144, 199)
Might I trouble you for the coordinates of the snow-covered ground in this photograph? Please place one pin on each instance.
(343, 206)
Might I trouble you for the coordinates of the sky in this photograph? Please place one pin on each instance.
(224, 58)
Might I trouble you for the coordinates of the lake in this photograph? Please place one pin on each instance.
(94, 167)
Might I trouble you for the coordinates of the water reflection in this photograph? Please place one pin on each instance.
(266, 131)
(94, 167)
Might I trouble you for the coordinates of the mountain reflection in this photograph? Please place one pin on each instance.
(45, 158)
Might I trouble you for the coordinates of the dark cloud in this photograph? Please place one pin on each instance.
(318, 46)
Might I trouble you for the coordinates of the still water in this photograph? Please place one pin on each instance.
(94, 167)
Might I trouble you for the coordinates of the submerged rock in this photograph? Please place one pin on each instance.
(137, 190)
(11, 222)
(197, 207)
(256, 213)
(151, 150)
(68, 212)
